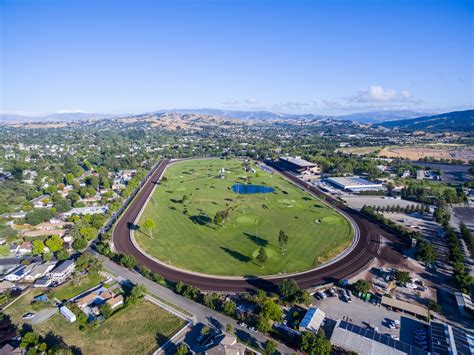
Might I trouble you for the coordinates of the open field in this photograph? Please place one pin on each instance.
(430, 151)
(137, 329)
(359, 150)
(185, 235)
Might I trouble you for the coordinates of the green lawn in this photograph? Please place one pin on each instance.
(138, 329)
(186, 237)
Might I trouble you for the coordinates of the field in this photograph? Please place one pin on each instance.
(435, 151)
(185, 235)
(138, 329)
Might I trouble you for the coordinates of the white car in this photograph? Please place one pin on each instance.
(28, 316)
(242, 324)
(391, 325)
(253, 329)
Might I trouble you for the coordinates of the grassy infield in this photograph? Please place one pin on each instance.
(137, 329)
(190, 241)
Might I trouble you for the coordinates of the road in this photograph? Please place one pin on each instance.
(352, 263)
(201, 314)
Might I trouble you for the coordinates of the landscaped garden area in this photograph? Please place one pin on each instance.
(206, 219)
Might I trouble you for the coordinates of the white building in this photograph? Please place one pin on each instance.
(67, 313)
(312, 320)
(86, 210)
(19, 273)
(354, 183)
(38, 271)
(61, 272)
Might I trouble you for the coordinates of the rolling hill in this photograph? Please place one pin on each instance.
(459, 121)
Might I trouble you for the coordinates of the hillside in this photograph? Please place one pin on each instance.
(459, 121)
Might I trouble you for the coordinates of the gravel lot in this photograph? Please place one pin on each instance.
(43, 315)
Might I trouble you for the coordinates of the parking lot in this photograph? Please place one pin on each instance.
(359, 312)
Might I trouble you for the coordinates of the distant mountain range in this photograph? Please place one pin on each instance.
(401, 119)
(382, 116)
(55, 117)
(450, 121)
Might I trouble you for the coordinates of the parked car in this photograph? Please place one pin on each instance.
(253, 329)
(28, 315)
(242, 324)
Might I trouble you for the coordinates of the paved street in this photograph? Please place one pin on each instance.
(201, 313)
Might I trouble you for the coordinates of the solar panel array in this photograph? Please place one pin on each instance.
(383, 339)
(307, 318)
(440, 340)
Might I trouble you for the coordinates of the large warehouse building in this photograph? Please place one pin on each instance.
(354, 184)
(297, 165)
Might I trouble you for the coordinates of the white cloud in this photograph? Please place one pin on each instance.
(377, 94)
(251, 101)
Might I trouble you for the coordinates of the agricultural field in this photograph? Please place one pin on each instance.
(136, 329)
(202, 225)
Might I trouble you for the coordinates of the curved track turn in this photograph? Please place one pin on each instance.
(363, 252)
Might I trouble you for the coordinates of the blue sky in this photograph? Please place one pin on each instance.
(329, 57)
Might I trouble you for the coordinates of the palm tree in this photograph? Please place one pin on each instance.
(149, 224)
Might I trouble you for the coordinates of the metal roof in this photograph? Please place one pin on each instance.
(366, 341)
(405, 306)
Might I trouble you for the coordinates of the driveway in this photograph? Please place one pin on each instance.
(43, 315)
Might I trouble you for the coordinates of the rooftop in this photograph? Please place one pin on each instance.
(298, 161)
(366, 341)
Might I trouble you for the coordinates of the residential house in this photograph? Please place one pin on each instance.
(25, 248)
(19, 273)
(61, 272)
(38, 271)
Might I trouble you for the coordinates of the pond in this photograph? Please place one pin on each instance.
(251, 189)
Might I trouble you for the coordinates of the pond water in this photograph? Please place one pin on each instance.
(251, 189)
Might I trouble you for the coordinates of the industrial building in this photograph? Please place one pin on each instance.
(354, 184)
(312, 320)
(366, 341)
(297, 165)
(446, 340)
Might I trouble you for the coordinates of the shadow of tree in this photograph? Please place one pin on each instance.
(257, 240)
(237, 255)
(202, 220)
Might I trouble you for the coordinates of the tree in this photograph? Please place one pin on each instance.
(88, 233)
(425, 252)
(128, 261)
(271, 310)
(54, 243)
(261, 256)
(38, 215)
(69, 179)
(362, 286)
(289, 290)
(270, 347)
(79, 244)
(262, 324)
(402, 277)
(149, 224)
(283, 240)
(47, 257)
(88, 262)
(137, 292)
(229, 329)
(314, 344)
(38, 247)
(62, 255)
(106, 310)
(229, 308)
(181, 349)
(434, 306)
(29, 339)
